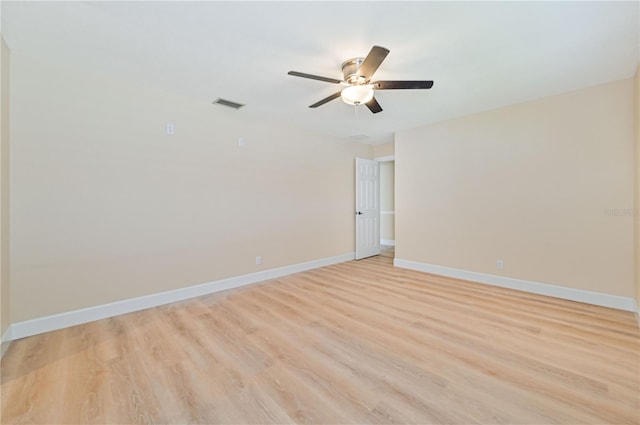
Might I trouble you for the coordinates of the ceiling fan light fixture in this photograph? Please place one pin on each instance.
(358, 74)
(357, 95)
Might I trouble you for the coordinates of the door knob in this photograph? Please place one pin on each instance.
(358, 213)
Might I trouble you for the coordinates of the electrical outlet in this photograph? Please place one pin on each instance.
(170, 129)
(500, 264)
(258, 260)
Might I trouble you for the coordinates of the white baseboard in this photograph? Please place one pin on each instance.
(387, 242)
(85, 315)
(580, 295)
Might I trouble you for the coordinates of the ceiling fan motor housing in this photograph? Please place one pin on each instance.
(350, 69)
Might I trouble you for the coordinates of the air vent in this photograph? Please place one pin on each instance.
(230, 104)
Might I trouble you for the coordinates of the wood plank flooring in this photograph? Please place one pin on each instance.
(358, 342)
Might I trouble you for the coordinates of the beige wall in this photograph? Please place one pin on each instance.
(637, 186)
(387, 184)
(4, 188)
(106, 207)
(531, 184)
(387, 149)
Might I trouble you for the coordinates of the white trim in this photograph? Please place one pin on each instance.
(5, 341)
(580, 295)
(386, 158)
(387, 212)
(84, 315)
(387, 242)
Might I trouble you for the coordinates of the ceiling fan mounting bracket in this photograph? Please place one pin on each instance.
(350, 69)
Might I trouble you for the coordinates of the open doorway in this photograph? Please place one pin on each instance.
(387, 206)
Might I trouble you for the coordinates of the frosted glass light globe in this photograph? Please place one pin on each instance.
(357, 95)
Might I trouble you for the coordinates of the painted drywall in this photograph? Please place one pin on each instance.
(387, 207)
(543, 186)
(106, 206)
(637, 187)
(4, 188)
(380, 151)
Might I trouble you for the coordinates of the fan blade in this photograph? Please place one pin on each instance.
(314, 77)
(374, 106)
(372, 62)
(325, 100)
(398, 85)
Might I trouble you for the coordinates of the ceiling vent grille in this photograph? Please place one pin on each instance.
(229, 103)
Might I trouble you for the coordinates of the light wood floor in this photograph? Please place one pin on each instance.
(358, 342)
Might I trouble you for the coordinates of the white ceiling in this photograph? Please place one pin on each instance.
(481, 55)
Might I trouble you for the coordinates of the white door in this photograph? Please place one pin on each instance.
(367, 208)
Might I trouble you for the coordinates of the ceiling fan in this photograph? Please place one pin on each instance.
(359, 88)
